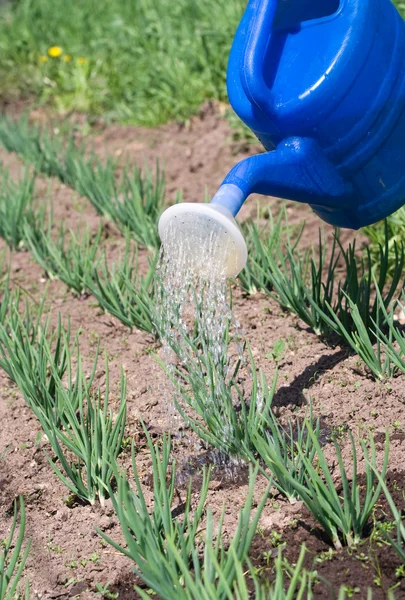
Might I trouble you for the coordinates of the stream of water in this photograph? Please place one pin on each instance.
(193, 300)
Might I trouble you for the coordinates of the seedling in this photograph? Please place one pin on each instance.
(13, 558)
(104, 590)
(165, 549)
(121, 292)
(15, 202)
(71, 258)
(91, 434)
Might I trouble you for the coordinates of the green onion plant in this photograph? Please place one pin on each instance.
(345, 516)
(13, 557)
(397, 544)
(290, 583)
(277, 449)
(297, 280)
(71, 257)
(122, 292)
(166, 550)
(15, 201)
(220, 415)
(133, 201)
(90, 433)
(37, 357)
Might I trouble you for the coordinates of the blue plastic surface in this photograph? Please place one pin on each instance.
(322, 85)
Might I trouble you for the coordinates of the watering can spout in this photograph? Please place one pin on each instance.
(297, 170)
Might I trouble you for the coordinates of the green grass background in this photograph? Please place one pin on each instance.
(137, 61)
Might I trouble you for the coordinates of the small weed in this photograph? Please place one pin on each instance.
(104, 590)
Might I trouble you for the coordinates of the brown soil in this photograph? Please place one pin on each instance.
(68, 557)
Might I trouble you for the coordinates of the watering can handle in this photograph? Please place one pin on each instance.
(256, 49)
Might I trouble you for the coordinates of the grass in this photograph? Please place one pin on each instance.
(133, 201)
(166, 550)
(395, 225)
(13, 558)
(15, 202)
(144, 62)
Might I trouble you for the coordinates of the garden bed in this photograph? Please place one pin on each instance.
(68, 558)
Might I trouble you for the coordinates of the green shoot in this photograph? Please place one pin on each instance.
(392, 342)
(12, 558)
(291, 583)
(121, 292)
(36, 357)
(263, 242)
(398, 544)
(70, 258)
(15, 201)
(90, 433)
(5, 297)
(344, 517)
(133, 202)
(166, 549)
(278, 447)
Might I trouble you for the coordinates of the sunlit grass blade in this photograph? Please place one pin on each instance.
(12, 556)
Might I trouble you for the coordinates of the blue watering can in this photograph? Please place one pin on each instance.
(321, 83)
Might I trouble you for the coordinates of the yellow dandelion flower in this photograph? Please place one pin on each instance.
(67, 58)
(43, 58)
(55, 51)
(81, 60)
